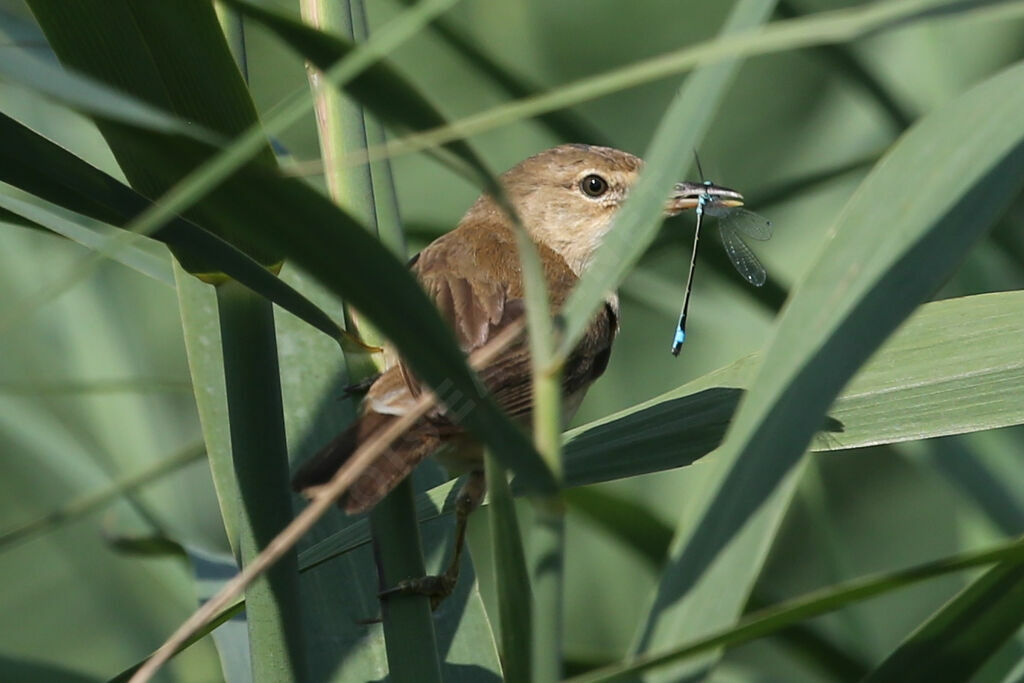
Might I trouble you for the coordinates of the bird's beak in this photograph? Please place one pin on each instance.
(685, 196)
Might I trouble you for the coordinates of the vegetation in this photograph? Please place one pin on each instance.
(825, 485)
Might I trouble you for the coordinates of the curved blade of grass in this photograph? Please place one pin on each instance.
(201, 332)
(224, 616)
(767, 621)
(134, 385)
(821, 29)
(96, 236)
(897, 240)
(40, 167)
(79, 508)
(565, 124)
(846, 63)
(634, 526)
(668, 154)
(960, 637)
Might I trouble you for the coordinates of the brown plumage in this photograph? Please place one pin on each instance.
(473, 276)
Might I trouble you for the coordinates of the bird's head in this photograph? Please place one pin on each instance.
(566, 196)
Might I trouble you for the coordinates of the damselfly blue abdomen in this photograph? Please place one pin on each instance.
(734, 222)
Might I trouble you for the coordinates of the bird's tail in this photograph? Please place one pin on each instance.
(387, 470)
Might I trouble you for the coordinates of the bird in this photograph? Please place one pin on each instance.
(565, 198)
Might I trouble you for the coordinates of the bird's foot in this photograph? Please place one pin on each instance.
(439, 587)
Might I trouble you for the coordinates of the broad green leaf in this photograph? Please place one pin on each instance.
(899, 237)
(957, 640)
(212, 171)
(86, 94)
(930, 369)
(38, 166)
(954, 367)
(143, 56)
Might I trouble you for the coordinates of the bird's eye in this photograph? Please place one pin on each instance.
(594, 185)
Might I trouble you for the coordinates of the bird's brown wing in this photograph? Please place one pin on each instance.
(509, 378)
(477, 287)
(478, 290)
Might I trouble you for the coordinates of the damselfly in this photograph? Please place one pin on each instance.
(724, 204)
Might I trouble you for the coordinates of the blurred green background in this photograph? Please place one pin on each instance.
(94, 386)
